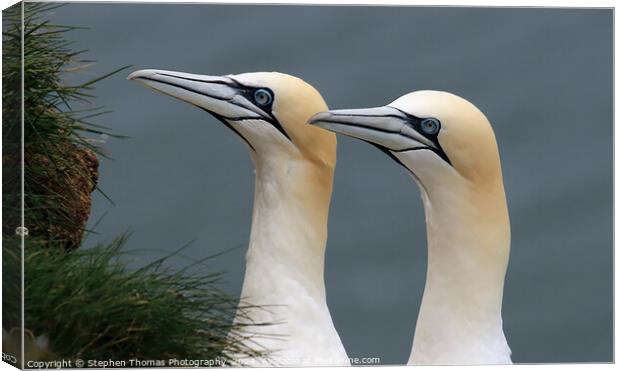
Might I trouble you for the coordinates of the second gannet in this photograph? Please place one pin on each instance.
(449, 148)
(294, 172)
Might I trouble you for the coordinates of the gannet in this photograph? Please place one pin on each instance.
(449, 148)
(294, 165)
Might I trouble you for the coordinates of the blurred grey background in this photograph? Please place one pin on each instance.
(542, 76)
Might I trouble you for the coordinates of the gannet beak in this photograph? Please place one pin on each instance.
(386, 127)
(219, 95)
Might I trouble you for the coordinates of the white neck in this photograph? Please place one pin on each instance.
(460, 318)
(285, 262)
(283, 236)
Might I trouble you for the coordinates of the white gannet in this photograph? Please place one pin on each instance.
(449, 148)
(294, 172)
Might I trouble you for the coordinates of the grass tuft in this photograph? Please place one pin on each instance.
(89, 305)
(60, 141)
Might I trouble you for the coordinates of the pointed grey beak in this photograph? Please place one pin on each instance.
(385, 126)
(219, 95)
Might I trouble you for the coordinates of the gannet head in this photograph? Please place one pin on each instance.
(268, 110)
(439, 137)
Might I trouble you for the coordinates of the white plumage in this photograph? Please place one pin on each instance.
(294, 172)
(449, 148)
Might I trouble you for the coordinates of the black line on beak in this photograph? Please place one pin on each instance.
(393, 157)
(234, 84)
(243, 89)
(357, 125)
(223, 119)
(439, 152)
(184, 88)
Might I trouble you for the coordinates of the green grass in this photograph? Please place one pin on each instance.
(56, 135)
(90, 306)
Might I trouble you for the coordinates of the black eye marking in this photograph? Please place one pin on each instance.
(429, 127)
(263, 98)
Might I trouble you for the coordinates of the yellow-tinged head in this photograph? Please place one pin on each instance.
(438, 136)
(269, 110)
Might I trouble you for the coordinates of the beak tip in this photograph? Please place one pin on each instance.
(318, 119)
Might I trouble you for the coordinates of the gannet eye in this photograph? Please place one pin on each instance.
(262, 97)
(430, 126)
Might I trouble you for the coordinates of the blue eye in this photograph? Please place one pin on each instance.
(262, 97)
(430, 126)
